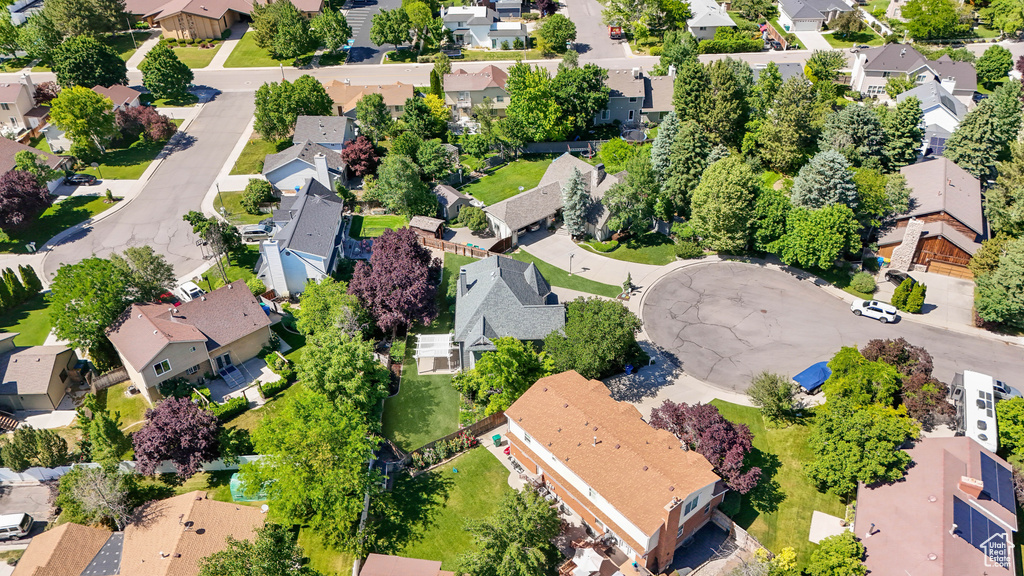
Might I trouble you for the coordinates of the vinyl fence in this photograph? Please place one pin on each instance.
(37, 475)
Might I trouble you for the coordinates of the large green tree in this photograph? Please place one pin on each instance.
(771, 211)
(690, 96)
(688, 158)
(582, 94)
(838, 555)
(533, 104)
(85, 61)
(599, 337)
(274, 552)
(373, 116)
(999, 296)
(785, 131)
(903, 132)
(84, 116)
(314, 465)
(1010, 415)
(632, 203)
(575, 204)
(86, 17)
(500, 377)
(279, 104)
(149, 273)
(85, 298)
(556, 31)
(164, 74)
(1005, 15)
(727, 104)
(421, 120)
(327, 306)
(994, 64)
(35, 165)
(818, 237)
(281, 29)
(1004, 202)
(825, 181)
(39, 37)
(928, 19)
(390, 27)
(344, 369)
(331, 29)
(661, 149)
(855, 132)
(400, 188)
(975, 144)
(516, 540)
(722, 205)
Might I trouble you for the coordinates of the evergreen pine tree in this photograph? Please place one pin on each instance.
(902, 292)
(690, 91)
(661, 151)
(916, 299)
(6, 302)
(975, 145)
(575, 203)
(29, 279)
(903, 133)
(435, 84)
(825, 181)
(687, 161)
(18, 292)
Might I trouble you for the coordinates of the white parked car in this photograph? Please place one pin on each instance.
(1004, 391)
(189, 291)
(880, 311)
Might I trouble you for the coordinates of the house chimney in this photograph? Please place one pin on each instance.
(970, 486)
(596, 177)
(636, 73)
(322, 175)
(903, 52)
(27, 81)
(462, 282)
(671, 69)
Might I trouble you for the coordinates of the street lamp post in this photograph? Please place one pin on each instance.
(571, 254)
(219, 197)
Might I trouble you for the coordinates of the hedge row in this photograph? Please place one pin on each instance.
(230, 409)
(272, 389)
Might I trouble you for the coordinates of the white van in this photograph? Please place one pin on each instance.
(15, 526)
(189, 291)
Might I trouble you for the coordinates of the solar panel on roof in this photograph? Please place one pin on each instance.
(998, 482)
(979, 531)
(936, 145)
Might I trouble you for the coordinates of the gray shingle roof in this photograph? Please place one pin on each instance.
(505, 297)
(309, 220)
(658, 93)
(304, 151)
(622, 84)
(799, 10)
(932, 94)
(787, 70)
(321, 129)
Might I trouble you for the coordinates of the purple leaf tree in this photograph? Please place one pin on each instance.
(397, 285)
(21, 197)
(703, 429)
(360, 156)
(179, 431)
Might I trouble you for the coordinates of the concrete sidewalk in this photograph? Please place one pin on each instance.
(228, 46)
(140, 54)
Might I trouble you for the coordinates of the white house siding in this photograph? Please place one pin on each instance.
(703, 32)
(940, 116)
(300, 268)
(294, 174)
(798, 25)
(499, 228)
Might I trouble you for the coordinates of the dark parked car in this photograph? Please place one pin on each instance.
(80, 180)
(978, 96)
(898, 276)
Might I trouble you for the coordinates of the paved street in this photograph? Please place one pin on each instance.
(592, 41)
(177, 186)
(32, 499)
(727, 321)
(359, 17)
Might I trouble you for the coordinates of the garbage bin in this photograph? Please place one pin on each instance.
(497, 440)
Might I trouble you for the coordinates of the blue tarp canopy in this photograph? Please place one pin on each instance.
(813, 377)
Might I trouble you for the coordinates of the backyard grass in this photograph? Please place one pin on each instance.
(296, 341)
(217, 484)
(250, 161)
(868, 36)
(250, 418)
(558, 277)
(435, 506)
(15, 64)
(778, 512)
(40, 143)
(132, 408)
(235, 213)
(986, 88)
(505, 181)
(374, 226)
(323, 559)
(30, 319)
(425, 408)
(196, 57)
(243, 261)
(123, 44)
(650, 248)
(984, 31)
(128, 163)
(248, 55)
(54, 220)
(874, 5)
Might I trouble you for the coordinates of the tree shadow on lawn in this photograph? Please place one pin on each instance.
(766, 497)
(59, 218)
(401, 517)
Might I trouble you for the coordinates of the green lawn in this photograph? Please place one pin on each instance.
(838, 278)
(989, 88)
(874, 5)
(235, 213)
(248, 55)
(323, 559)
(778, 511)
(558, 277)
(868, 36)
(54, 220)
(123, 44)
(374, 226)
(984, 31)
(505, 182)
(250, 161)
(425, 409)
(650, 248)
(128, 163)
(31, 320)
(196, 57)
(434, 507)
(40, 143)
(241, 268)
(186, 102)
(15, 64)
(217, 484)
(250, 418)
(296, 341)
(132, 408)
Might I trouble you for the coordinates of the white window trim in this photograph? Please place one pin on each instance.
(159, 364)
(192, 370)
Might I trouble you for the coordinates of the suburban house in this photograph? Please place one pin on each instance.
(873, 67)
(953, 514)
(346, 96)
(657, 98)
(945, 222)
(331, 132)
(191, 19)
(208, 335)
(21, 9)
(464, 90)
(499, 297)
(450, 201)
(708, 16)
(540, 206)
(164, 538)
(480, 27)
(308, 239)
(120, 97)
(427, 227)
(9, 150)
(381, 565)
(34, 377)
(942, 112)
(809, 15)
(626, 97)
(17, 99)
(636, 488)
(290, 169)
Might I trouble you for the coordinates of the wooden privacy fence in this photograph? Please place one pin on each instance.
(463, 250)
(108, 379)
(475, 429)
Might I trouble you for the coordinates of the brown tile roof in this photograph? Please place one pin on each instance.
(10, 148)
(347, 95)
(219, 318)
(381, 565)
(490, 77)
(118, 93)
(9, 91)
(913, 517)
(157, 543)
(63, 551)
(212, 9)
(939, 185)
(634, 467)
(27, 370)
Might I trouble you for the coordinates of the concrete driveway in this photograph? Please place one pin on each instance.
(359, 17)
(725, 322)
(177, 186)
(592, 41)
(555, 248)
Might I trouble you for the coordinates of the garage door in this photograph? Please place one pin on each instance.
(950, 270)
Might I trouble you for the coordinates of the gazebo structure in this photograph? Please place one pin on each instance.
(436, 354)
